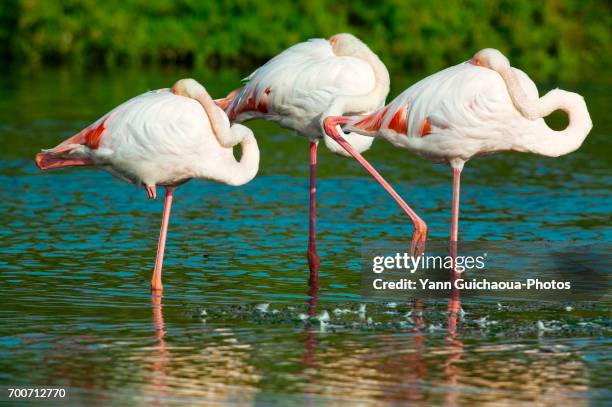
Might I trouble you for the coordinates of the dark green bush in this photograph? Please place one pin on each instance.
(560, 40)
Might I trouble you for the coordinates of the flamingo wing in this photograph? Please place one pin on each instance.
(463, 97)
(296, 86)
(154, 136)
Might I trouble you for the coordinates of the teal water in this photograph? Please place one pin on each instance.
(77, 248)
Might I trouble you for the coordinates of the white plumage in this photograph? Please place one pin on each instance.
(310, 81)
(469, 109)
(161, 138)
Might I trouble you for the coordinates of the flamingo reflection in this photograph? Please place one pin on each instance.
(162, 356)
(451, 371)
(410, 367)
(312, 301)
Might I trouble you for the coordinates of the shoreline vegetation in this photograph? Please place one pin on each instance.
(553, 40)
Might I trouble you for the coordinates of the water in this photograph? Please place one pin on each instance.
(78, 246)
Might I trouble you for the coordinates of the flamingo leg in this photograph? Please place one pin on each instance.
(156, 282)
(454, 304)
(420, 228)
(313, 257)
(455, 205)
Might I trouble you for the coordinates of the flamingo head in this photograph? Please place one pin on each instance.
(347, 44)
(491, 58)
(188, 87)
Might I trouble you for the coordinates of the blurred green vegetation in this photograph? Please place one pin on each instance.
(553, 40)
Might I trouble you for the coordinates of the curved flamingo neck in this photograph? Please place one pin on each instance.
(546, 141)
(369, 101)
(538, 138)
(249, 162)
(244, 170)
(234, 172)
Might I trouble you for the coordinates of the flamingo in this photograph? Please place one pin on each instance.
(304, 84)
(478, 107)
(164, 137)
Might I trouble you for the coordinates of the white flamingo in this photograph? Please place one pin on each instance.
(164, 137)
(481, 106)
(306, 83)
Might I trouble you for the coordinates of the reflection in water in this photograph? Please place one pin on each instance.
(161, 357)
(401, 367)
(309, 360)
(413, 365)
(395, 372)
(451, 370)
(219, 372)
(421, 363)
(410, 366)
(312, 301)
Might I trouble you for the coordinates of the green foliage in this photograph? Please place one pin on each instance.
(560, 40)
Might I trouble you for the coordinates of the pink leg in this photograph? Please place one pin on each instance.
(455, 207)
(313, 257)
(156, 283)
(454, 303)
(420, 228)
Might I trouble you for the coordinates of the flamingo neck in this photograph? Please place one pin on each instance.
(218, 121)
(359, 104)
(548, 142)
(374, 99)
(536, 136)
(246, 169)
(229, 170)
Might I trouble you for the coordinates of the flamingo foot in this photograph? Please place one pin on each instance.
(49, 159)
(151, 192)
(419, 239)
